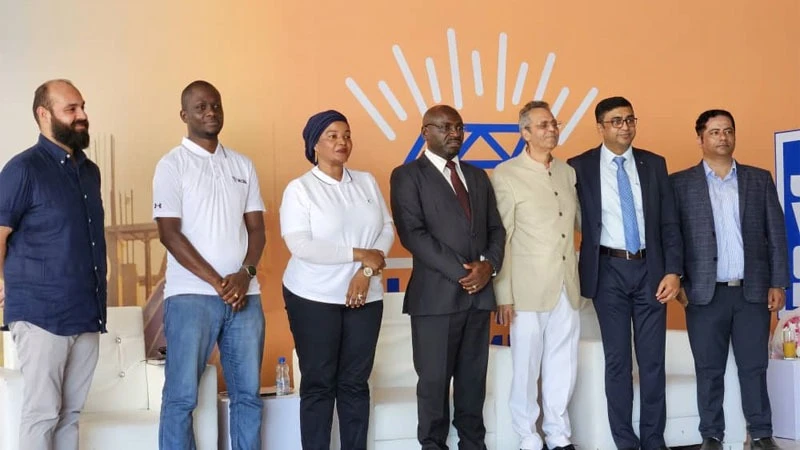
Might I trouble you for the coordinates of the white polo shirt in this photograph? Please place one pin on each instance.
(322, 220)
(210, 193)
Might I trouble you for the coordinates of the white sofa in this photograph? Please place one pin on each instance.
(589, 414)
(393, 418)
(122, 409)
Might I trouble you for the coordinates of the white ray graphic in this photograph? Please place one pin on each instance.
(562, 97)
(393, 102)
(370, 108)
(523, 72)
(435, 91)
(409, 77)
(436, 85)
(458, 102)
(576, 116)
(501, 71)
(476, 73)
(545, 78)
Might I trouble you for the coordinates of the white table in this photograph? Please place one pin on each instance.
(280, 422)
(783, 386)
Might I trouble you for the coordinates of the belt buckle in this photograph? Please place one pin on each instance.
(628, 255)
(734, 283)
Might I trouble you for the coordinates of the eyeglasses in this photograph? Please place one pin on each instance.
(617, 122)
(447, 128)
(716, 132)
(546, 125)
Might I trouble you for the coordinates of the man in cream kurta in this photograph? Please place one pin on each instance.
(537, 289)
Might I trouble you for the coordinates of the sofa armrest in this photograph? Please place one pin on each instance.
(205, 414)
(10, 408)
(154, 371)
(500, 372)
(588, 411)
(735, 425)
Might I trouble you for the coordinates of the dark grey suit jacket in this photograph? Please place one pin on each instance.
(662, 233)
(763, 233)
(432, 225)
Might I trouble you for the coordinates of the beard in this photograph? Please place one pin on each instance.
(66, 134)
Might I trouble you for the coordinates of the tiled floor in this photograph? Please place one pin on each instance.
(789, 445)
(785, 445)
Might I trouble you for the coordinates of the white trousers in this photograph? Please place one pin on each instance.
(546, 343)
(57, 372)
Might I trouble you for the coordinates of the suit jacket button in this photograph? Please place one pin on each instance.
(560, 213)
(474, 234)
(715, 259)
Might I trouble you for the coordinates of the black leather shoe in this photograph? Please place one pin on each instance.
(764, 444)
(567, 447)
(711, 444)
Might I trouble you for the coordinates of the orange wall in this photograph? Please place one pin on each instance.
(276, 63)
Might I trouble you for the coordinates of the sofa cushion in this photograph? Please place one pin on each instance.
(119, 430)
(395, 413)
(681, 395)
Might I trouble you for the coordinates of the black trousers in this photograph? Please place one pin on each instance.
(451, 346)
(336, 349)
(730, 318)
(623, 296)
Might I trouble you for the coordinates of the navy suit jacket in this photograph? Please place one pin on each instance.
(433, 226)
(662, 231)
(763, 233)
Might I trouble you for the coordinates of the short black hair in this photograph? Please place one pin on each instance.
(187, 91)
(41, 96)
(702, 119)
(607, 104)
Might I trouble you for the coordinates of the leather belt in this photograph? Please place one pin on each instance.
(731, 283)
(613, 252)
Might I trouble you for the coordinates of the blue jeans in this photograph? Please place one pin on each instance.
(192, 325)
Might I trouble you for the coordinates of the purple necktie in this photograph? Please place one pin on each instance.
(461, 191)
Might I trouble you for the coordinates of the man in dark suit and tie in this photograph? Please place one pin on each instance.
(630, 265)
(735, 275)
(446, 216)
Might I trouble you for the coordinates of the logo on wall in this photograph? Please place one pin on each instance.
(493, 135)
(787, 174)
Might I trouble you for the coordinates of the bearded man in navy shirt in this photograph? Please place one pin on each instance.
(53, 261)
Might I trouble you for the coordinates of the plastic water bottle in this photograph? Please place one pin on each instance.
(282, 378)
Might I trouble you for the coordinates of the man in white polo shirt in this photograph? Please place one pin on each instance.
(207, 204)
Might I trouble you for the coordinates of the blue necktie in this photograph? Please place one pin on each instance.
(629, 222)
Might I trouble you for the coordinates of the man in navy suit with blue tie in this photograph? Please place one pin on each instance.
(736, 272)
(630, 265)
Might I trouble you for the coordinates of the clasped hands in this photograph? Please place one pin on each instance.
(232, 288)
(480, 273)
(358, 289)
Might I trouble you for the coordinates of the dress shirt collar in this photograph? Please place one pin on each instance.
(322, 176)
(438, 161)
(188, 144)
(607, 156)
(59, 154)
(710, 171)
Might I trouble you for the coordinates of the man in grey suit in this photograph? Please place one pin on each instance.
(446, 216)
(734, 278)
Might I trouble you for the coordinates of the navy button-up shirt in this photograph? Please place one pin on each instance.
(55, 266)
